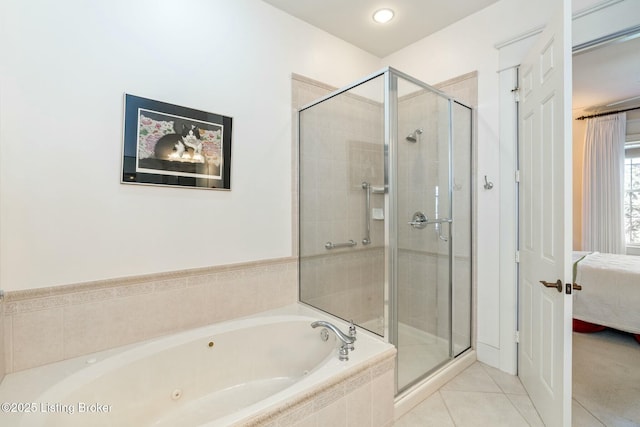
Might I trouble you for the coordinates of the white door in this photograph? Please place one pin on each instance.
(544, 352)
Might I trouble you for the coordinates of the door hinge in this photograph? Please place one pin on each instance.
(518, 176)
(517, 337)
(517, 256)
(516, 94)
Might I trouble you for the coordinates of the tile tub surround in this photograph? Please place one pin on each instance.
(361, 397)
(51, 324)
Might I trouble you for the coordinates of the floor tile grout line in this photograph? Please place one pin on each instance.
(501, 392)
(508, 394)
(588, 411)
(453, 421)
(482, 391)
(484, 367)
(518, 409)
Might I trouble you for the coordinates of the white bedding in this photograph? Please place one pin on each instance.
(610, 294)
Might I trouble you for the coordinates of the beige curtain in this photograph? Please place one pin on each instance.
(603, 184)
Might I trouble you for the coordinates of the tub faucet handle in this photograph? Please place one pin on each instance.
(352, 334)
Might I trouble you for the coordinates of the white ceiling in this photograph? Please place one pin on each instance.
(607, 75)
(351, 20)
(601, 75)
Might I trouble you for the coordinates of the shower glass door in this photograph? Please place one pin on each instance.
(423, 183)
(385, 216)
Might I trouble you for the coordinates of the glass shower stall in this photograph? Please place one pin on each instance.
(385, 216)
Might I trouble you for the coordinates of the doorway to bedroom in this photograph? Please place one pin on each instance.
(606, 86)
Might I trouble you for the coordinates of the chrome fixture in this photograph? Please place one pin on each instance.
(420, 220)
(353, 332)
(367, 213)
(413, 136)
(488, 185)
(368, 188)
(438, 227)
(348, 244)
(347, 340)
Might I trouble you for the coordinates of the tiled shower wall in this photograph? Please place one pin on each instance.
(50, 324)
(342, 147)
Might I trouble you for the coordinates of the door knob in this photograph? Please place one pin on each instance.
(577, 287)
(557, 284)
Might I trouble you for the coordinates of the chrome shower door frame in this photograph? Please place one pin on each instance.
(394, 216)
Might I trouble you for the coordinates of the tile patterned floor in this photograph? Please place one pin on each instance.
(479, 396)
(484, 396)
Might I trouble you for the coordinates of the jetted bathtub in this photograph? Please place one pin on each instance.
(219, 375)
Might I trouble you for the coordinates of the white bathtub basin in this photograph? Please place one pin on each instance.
(215, 375)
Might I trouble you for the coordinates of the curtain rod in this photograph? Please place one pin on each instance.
(607, 113)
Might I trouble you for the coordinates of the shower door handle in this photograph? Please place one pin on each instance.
(419, 220)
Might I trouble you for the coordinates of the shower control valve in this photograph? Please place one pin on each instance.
(419, 220)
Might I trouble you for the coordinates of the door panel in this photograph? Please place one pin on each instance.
(424, 252)
(544, 356)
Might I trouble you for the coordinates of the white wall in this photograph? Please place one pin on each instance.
(64, 216)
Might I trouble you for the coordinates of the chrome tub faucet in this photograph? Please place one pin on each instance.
(347, 339)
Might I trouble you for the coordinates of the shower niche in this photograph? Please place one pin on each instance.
(385, 216)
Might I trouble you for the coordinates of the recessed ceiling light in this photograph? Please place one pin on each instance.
(383, 16)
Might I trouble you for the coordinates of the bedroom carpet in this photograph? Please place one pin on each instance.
(606, 379)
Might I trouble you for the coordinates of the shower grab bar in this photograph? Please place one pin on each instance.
(369, 189)
(437, 226)
(367, 212)
(348, 244)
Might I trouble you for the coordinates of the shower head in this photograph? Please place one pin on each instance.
(413, 136)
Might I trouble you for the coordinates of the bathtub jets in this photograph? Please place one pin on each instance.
(347, 340)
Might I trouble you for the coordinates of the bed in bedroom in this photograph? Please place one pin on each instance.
(610, 295)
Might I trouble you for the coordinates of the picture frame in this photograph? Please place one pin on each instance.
(170, 145)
